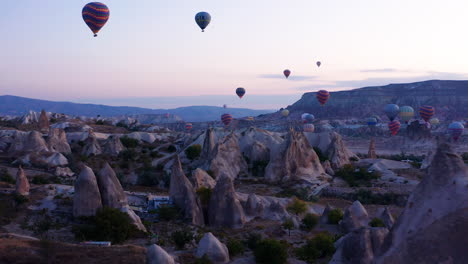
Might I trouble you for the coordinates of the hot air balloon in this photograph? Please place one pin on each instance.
(225, 106)
(319, 63)
(250, 118)
(167, 115)
(323, 96)
(226, 119)
(95, 15)
(456, 130)
(434, 121)
(392, 111)
(303, 117)
(426, 112)
(203, 19)
(394, 127)
(309, 128)
(240, 92)
(188, 127)
(406, 113)
(309, 118)
(371, 121)
(287, 73)
(285, 112)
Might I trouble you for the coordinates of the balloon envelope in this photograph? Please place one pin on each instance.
(188, 126)
(285, 112)
(309, 118)
(226, 119)
(434, 121)
(240, 92)
(323, 96)
(250, 118)
(392, 111)
(319, 63)
(287, 73)
(394, 127)
(456, 130)
(303, 117)
(371, 121)
(203, 19)
(426, 112)
(95, 15)
(406, 113)
(309, 128)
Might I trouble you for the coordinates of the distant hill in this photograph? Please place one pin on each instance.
(18, 106)
(450, 98)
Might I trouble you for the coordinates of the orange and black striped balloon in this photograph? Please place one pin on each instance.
(323, 96)
(426, 112)
(226, 119)
(394, 127)
(95, 15)
(188, 126)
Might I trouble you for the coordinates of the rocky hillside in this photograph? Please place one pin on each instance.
(450, 98)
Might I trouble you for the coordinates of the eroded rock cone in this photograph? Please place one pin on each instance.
(324, 216)
(338, 154)
(216, 251)
(371, 154)
(25, 143)
(355, 217)
(113, 146)
(57, 141)
(87, 199)
(209, 144)
(225, 210)
(387, 218)
(91, 147)
(228, 159)
(437, 210)
(112, 193)
(202, 179)
(22, 184)
(254, 206)
(44, 122)
(183, 195)
(157, 255)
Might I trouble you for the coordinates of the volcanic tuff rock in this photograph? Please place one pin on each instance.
(112, 193)
(436, 211)
(22, 184)
(57, 141)
(224, 209)
(91, 146)
(113, 146)
(294, 160)
(30, 142)
(227, 158)
(387, 218)
(183, 195)
(63, 172)
(264, 207)
(87, 199)
(337, 152)
(202, 179)
(324, 216)
(157, 255)
(134, 217)
(372, 154)
(209, 144)
(354, 217)
(44, 122)
(216, 251)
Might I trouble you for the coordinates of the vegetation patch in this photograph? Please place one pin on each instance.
(321, 246)
(193, 152)
(356, 177)
(335, 216)
(271, 251)
(129, 142)
(376, 222)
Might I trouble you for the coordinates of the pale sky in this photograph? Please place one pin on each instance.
(153, 48)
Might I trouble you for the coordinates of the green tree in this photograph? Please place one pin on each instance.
(309, 221)
(319, 247)
(271, 251)
(129, 142)
(376, 222)
(204, 194)
(253, 240)
(193, 152)
(297, 206)
(288, 225)
(168, 212)
(235, 247)
(182, 237)
(335, 216)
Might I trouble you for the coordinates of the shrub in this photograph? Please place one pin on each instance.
(297, 206)
(376, 222)
(204, 194)
(203, 260)
(301, 193)
(356, 177)
(335, 216)
(20, 199)
(367, 197)
(129, 142)
(253, 240)
(147, 178)
(320, 154)
(168, 212)
(171, 149)
(193, 152)
(5, 176)
(288, 225)
(235, 247)
(270, 251)
(319, 247)
(109, 224)
(100, 122)
(181, 237)
(309, 221)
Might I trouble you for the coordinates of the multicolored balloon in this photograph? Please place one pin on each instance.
(392, 111)
(285, 112)
(188, 126)
(323, 96)
(406, 113)
(426, 112)
(226, 119)
(287, 73)
(371, 121)
(456, 130)
(240, 92)
(394, 127)
(303, 117)
(95, 15)
(319, 63)
(434, 121)
(309, 128)
(203, 19)
(309, 118)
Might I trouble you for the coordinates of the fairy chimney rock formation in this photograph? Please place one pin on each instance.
(22, 184)
(225, 210)
(57, 141)
(87, 198)
(44, 122)
(371, 154)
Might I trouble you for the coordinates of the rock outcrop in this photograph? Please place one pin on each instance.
(216, 251)
(372, 154)
(44, 122)
(91, 147)
(227, 158)
(355, 217)
(294, 160)
(182, 193)
(57, 141)
(209, 144)
(387, 218)
(225, 210)
(437, 210)
(202, 179)
(63, 172)
(337, 152)
(324, 217)
(87, 199)
(25, 143)
(134, 217)
(157, 255)
(22, 184)
(112, 193)
(113, 146)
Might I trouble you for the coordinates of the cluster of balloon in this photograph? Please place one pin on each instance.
(309, 128)
(240, 92)
(188, 127)
(287, 73)
(226, 119)
(406, 113)
(95, 15)
(394, 127)
(203, 19)
(456, 130)
(323, 96)
(426, 112)
(285, 112)
(372, 121)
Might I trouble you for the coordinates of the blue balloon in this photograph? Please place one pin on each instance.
(392, 111)
(203, 19)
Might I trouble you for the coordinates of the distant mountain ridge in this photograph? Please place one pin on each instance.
(18, 106)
